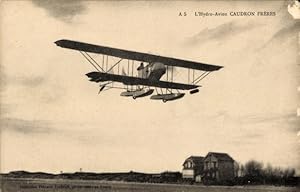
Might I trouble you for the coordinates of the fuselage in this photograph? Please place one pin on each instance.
(153, 71)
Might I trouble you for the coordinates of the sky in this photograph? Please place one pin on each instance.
(52, 118)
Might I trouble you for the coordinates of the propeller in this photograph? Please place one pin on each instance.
(103, 86)
(101, 89)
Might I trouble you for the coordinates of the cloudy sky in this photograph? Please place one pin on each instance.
(52, 118)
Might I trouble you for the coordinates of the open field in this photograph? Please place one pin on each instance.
(65, 185)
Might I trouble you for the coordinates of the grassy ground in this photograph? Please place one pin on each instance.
(63, 185)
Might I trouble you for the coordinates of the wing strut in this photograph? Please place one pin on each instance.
(94, 63)
(202, 76)
(169, 77)
(114, 66)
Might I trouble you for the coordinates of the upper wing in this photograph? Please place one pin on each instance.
(132, 55)
(127, 80)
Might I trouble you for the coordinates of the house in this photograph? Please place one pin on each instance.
(218, 167)
(192, 168)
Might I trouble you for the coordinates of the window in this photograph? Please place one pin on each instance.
(215, 164)
(188, 164)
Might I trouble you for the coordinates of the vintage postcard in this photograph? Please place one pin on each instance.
(149, 95)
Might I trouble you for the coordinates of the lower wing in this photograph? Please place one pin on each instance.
(127, 80)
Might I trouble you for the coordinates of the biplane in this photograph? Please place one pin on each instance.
(148, 78)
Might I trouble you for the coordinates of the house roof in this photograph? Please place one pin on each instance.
(196, 159)
(220, 156)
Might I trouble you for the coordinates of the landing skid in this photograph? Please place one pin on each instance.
(137, 93)
(167, 97)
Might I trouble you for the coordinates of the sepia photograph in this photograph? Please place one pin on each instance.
(134, 95)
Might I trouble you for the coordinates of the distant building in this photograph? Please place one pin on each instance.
(214, 167)
(193, 168)
(166, 177)
(218, 167)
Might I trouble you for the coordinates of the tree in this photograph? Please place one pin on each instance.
(242, 169)
(254, 172)
(253, 168)
(289, 172)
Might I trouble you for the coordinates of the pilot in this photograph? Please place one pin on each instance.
(141, 66)
(140, 70)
